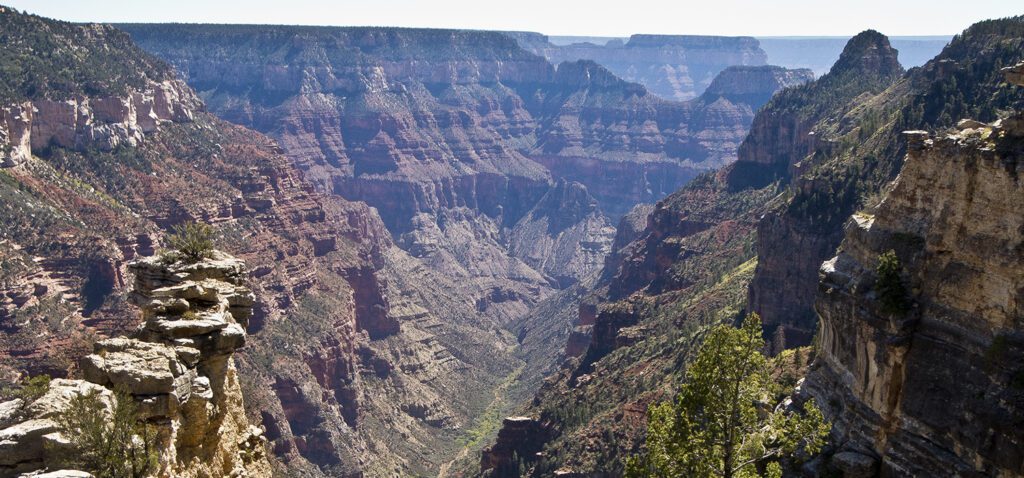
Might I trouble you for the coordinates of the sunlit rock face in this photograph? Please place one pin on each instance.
(933, 389)
(463, 133)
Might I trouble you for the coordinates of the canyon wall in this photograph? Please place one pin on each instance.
(931, 387)
(456, 150)
(104, 123)
(351, 340)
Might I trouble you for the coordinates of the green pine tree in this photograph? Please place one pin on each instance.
(721, 424)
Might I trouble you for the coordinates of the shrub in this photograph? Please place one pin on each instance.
(192, 241)
(29, 390)
(34, 388)
(889, 285)
(109, 444)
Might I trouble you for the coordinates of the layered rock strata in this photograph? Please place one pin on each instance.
(468, 143)
(932, 388)
(178, 367)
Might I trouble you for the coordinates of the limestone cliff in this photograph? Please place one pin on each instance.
(932, 389)
(389, 346)
(454, 150)
(836, 143)
(179, 368)
(99, 122)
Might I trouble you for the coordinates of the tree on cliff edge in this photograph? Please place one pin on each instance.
(722, 424)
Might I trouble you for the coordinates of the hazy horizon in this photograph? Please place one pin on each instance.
(783, 19)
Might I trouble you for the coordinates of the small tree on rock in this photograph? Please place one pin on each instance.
(891, 292)
(191, 241)
(722, 423)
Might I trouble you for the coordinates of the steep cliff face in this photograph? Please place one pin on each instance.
(676, 67)
(178, 367)
(110, 95)
(565, 235)
(795, 133)
(933, 387)
(838, 148)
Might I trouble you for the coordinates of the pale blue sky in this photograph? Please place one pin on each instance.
(560, 17)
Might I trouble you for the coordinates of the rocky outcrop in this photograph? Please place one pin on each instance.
(793, 132)
(677, 67)
(933, 387)
(819, 54)
(30, 438)
(755, 85)
(774, 211)
(105, 96)
(467, 143)
(178, 367)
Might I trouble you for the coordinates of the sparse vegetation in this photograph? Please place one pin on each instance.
(109, 442)
(724, 422)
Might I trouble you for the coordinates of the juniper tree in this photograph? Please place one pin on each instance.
(109, 442)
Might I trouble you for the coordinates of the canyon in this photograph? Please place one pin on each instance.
(948, 221)
(473, 253)
(382, 290)
(752, 236)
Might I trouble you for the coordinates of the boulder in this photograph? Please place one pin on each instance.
(23, 442)
(144, 368)
(60, 474)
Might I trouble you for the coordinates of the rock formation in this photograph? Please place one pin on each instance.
(519, 440)
(932, 388)
(819, 54)
(178, 367)
(787, 140)
(753, 235)
(109, 95)
(389, 346)
(565, 235)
